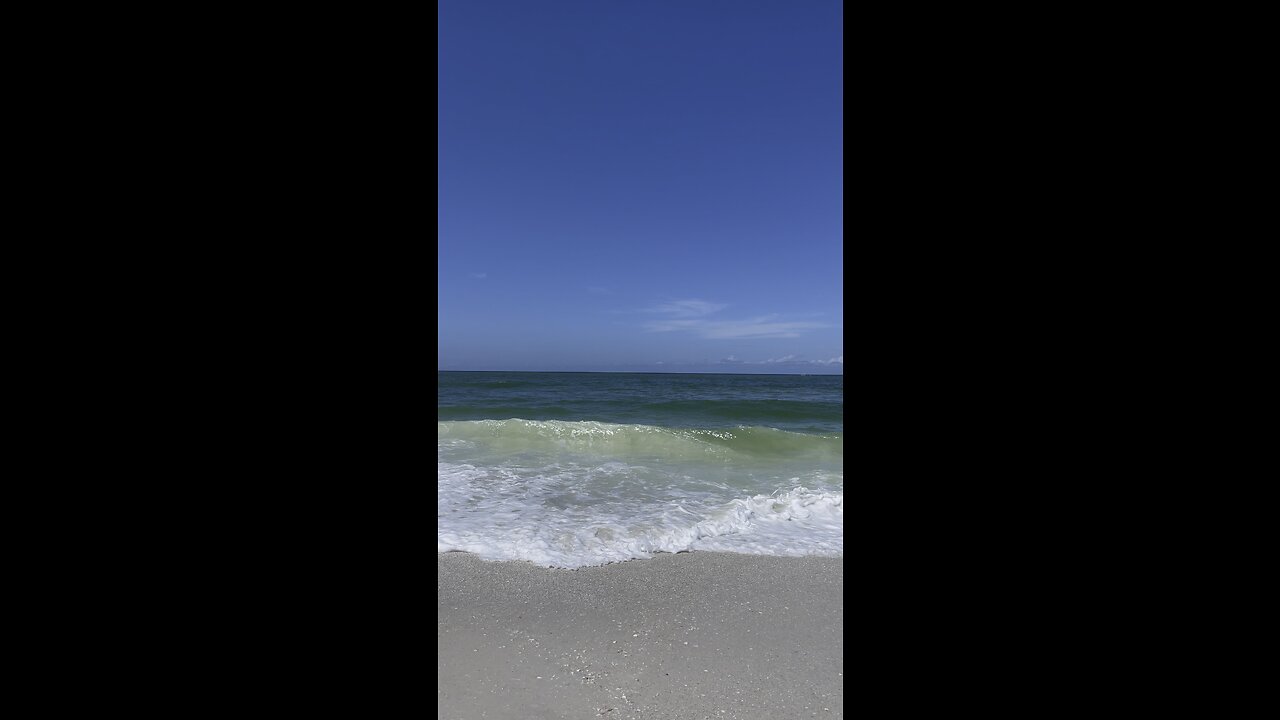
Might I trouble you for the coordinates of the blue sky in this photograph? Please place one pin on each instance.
(640, 185)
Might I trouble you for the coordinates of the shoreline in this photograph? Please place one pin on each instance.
(688, 635)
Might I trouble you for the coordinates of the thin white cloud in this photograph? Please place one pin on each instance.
(479, 276)
(691, 316)
(687, 308)
(669, 325)
(735, 329)
(794, 363)
(758, 328)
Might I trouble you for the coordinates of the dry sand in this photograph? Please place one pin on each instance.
(694, 635)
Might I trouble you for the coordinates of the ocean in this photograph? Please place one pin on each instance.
(576, 469)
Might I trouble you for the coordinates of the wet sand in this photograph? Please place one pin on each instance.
(694, 635)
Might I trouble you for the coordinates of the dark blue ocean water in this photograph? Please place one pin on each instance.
(798, 403)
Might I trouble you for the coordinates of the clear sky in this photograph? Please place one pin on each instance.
(640, 185)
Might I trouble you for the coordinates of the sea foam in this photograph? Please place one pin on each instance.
(501, 515)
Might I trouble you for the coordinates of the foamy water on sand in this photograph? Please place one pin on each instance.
(579, 492)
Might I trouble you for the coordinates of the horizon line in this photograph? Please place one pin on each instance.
(647, 372)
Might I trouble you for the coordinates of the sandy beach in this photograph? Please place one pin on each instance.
(693, 635)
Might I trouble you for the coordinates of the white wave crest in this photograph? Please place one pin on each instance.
(500, 517)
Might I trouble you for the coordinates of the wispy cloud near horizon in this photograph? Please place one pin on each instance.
(687, 308)
(690, 316)
(791, 360)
